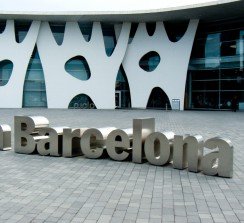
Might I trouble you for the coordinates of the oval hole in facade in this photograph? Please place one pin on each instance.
(150, 61)
(6, 68)
(82, 101)
(78, 68)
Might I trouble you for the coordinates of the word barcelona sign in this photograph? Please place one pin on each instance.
(33, 134)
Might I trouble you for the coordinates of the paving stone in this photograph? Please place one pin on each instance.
(35, 188)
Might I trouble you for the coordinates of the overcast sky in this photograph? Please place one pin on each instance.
(95, 5)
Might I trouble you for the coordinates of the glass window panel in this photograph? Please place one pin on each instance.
(151, 27)
(21, 30)
(21, 36)
(229, 48)
(34, 99)
(212, 50)
(227, 97)
(121, 80)
(229, 35)
(220, 70)
(2, 26)
(36, 74)
(34, 85)
(198, 50)
(212, 46)
(133, 29)
(205, 100)
(150, 61)
(109, 37)
(230, 62)
(58, 31)
(175, 29)
(6, 67)
(78, 68)
(34, 94)
(86, 29)
(82, 101)
(241, 49)
(205, 85)
(125, 99)
(231, 74)
(237, 84)
(205, 74)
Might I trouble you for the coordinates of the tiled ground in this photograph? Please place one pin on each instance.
(47, 189)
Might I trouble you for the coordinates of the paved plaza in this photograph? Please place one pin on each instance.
(34, 188)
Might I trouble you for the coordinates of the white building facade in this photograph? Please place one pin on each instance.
(187, 57)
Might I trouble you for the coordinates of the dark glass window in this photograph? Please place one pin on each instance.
(58, 31)
(158, 99)
(227, 97)
(215, 78)
(205, 75)
(212, 45)
(205, 100)
(175, 29)
(198, 50)
(237, 84)
(2, 26)
(149, 61)
(82, 101)
(34, 94)
(21, 30)
(236, 73)
(229, 35)
(78, 68)
(205, 85)
(151, 27)
(122, 94)
(109, 37)
(6, 68)
(86, 29)
(133, 29)
(228, 48)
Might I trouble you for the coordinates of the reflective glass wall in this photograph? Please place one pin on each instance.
(215, 74)
(34, 91)
(122, 90)
(34, 94)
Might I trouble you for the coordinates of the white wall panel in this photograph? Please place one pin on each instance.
(61, 87)
(19, 53)
(170, 74)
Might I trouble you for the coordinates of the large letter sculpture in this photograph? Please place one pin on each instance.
(158, 148)
(220, 160)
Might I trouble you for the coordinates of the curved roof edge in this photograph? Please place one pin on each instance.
(219, 9)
